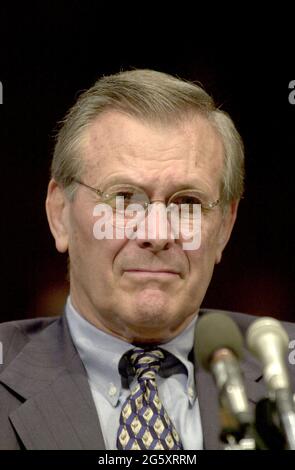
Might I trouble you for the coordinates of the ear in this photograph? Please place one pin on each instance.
(227, 223)
(56, 209)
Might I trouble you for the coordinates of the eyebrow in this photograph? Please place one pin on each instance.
(120, 180)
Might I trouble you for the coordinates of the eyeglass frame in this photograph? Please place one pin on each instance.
(100, 193)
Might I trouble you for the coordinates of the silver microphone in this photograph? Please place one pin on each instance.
(218, 348)
(268, 341)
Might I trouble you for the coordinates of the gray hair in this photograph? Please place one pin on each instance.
(147, 95)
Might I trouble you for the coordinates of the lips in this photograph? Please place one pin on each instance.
(148, 274)
(158, 271)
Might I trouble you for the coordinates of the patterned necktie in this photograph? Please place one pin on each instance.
(144, 423)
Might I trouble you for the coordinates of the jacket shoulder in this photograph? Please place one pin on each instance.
(15, 335)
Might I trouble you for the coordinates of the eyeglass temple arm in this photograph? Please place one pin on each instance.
(97, 191)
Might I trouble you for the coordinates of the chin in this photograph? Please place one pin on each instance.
(151, 306)
(150, 316)
(150, 324)
(149, 332)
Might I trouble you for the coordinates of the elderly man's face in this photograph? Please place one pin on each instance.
(121, 286)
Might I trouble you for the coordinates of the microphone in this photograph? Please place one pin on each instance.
(268, 341)
(218, 348)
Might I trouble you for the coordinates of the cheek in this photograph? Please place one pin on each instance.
(97, 256)
(86, 251)
(92, 260)
(203, 259)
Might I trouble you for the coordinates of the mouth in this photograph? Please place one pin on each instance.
(143, 273)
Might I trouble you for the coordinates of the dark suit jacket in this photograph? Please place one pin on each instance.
(45, 399)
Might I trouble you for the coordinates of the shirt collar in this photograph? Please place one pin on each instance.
(180, 347)
(101, 356)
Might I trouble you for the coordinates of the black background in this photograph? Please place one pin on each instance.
(49, 52)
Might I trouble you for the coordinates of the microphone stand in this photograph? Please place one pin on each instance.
(285, 408)
(267, 424)
(272, 429)
(237, 435)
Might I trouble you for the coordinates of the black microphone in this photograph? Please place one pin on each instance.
(218, 348)
(268, 341)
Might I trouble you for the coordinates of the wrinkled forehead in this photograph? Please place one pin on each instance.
(116, 144)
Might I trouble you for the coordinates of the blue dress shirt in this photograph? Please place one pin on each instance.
(102, 353)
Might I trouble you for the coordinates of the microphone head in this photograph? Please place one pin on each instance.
(268, 341)
(266, 326)
(216, 331)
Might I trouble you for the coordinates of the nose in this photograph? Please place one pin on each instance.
(155, 232)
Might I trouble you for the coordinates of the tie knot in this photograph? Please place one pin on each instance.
(146, 362)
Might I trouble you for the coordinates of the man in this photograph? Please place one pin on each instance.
(73, 382)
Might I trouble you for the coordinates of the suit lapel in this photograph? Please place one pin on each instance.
(58, 411)
(208, 403)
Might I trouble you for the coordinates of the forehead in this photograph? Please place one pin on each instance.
(117, 146)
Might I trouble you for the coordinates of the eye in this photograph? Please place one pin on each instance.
(187, 199)
(111, 198)
(187, 202)
(127, 195)
(130, 196)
